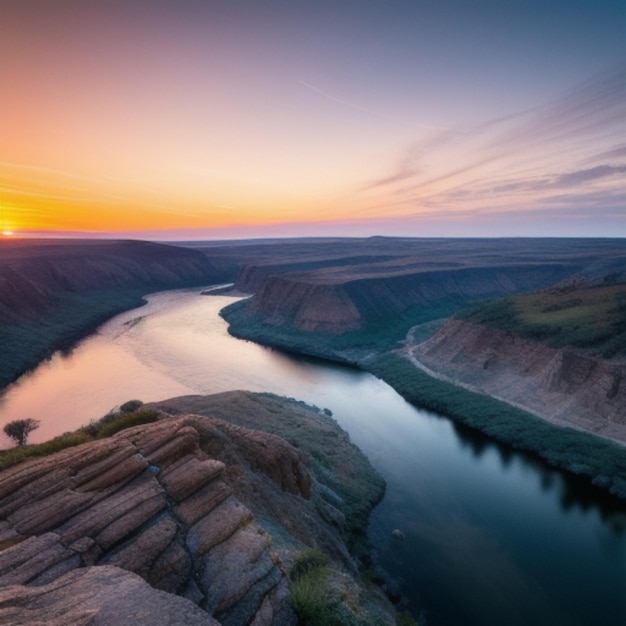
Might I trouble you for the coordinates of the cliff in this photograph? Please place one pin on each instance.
(332, 303)
(190, 519)
(565, 386)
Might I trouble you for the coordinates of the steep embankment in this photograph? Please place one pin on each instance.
(562, 385)
(323, 302)
(52, 292)
(559, 353)
(198, 507)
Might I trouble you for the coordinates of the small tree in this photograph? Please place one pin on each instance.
(19, 430)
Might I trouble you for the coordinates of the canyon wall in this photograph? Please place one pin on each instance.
(564, 386)
(334, 304)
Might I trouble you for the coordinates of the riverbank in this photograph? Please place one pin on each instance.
(598, 460)
(56, 292)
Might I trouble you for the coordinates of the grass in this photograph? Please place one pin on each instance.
(601, 461)
(588, 318)
(105, 427)
(319, 597)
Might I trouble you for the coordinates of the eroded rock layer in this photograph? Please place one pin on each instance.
(563, 385)
(150, 501)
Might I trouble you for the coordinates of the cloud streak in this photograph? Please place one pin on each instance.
(331, 97)
(574, 144)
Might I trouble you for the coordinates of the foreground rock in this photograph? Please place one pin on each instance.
(197, 507)
(97, 596)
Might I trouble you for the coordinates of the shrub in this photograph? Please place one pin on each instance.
(127, 420)
(130, 406)
(309, 598)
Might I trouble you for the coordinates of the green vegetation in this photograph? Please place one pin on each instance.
(589, 318)
(105, 427)
(603, 461)
(379, 335)
(320, 596)
(75, 315)
(109, 425)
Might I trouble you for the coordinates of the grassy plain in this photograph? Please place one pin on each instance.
(588, 318)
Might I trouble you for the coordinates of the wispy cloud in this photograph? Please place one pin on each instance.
(573, 144)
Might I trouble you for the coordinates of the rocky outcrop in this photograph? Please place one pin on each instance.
(564, 386)
(150, 501)
(207, 512)
(331, 303)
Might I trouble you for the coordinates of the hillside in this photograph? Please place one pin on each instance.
(549, 354)
(53, 292)
(559, 353)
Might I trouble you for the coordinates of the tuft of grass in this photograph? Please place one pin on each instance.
(127, 420)
(314, 594)
(309, 598)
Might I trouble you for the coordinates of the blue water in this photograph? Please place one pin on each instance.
(492, 537)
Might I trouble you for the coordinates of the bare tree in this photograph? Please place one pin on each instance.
(19, 430)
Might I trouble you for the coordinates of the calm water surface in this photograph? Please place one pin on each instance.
(492, 537)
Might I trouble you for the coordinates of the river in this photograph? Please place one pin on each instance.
(492, 537)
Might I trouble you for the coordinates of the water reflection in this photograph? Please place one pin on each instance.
(574, 492)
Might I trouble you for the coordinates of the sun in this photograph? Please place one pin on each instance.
(7, 233)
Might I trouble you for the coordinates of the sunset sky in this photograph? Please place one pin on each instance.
(210, 118)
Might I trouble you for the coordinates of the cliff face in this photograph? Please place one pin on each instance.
(190, 520)
(333, 304)
(34, 274)
(563, 385)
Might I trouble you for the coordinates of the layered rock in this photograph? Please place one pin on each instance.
(335, 302)
(150, 501)
(564, 386)
(97, 596)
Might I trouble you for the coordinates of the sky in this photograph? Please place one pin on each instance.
(190, 119)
